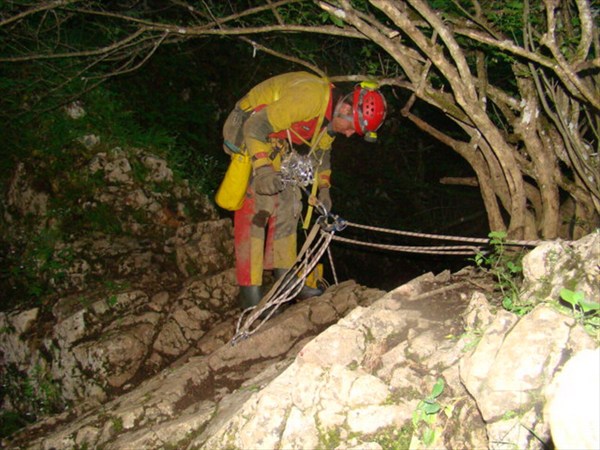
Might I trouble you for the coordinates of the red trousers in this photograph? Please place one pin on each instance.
(265, 232)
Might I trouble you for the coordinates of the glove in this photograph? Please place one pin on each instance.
(267, 181)
(325, 198)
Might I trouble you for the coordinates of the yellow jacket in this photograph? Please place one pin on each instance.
(283, 101)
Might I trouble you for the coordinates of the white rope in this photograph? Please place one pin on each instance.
(433, 250)
(443, 237)
(287, 287)
(317, 242)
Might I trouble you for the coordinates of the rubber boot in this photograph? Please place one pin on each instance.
(305, 293)
(249, 296)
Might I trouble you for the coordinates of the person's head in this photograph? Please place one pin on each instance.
(362, 111)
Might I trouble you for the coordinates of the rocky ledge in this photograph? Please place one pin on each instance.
(147, 362)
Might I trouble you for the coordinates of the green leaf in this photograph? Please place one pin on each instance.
(593, 321)
(571, 297)
(588, 306)
(479, 259)
(429, 436)
(431, 408)
(438, 388)
(337, 21)
(430, 419)
(514, 268)
(112, 300)
(417, 416)
(497, 235)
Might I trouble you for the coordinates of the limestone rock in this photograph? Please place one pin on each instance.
(573, 410)
(555, 265)
(137, 341)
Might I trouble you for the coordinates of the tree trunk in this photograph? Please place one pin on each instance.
(543, 162)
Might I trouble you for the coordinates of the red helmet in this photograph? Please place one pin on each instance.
(368, 109)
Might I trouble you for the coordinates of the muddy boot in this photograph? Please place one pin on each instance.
(249, 296)
(305, 293)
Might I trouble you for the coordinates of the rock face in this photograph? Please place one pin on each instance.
(146, 361)
(183, 398)
(128, 295)
(572, 400)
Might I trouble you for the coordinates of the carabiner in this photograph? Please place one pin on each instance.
(336, 224)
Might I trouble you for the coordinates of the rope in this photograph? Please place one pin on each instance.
(433, 250)
(333, 272)
(288, 286)
(317, 242)
(443, 237)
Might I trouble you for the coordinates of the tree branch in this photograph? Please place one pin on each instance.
(100, 51)
(31, 11)
(566, 73)
(270, 51)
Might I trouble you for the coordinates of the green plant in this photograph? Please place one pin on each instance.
(11, 421)
(393, 438)
(586, 312)
(113, 289)
(509, 415)
(330, 439)
(203, 171)
(425, 417)
(577, 301)
(85, 301)
(505, 265)
(112, 301)
(48, 391)
(471, 337)
(117, 423)
(368, 334)
(31, 264)
(31, 395)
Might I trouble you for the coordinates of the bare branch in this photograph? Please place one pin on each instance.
(253, 11)
(464, 181)
(100, 51)
(126, 69)
(452, 46)
(276, 13)
(566, 73)
(519, 137)
(258, 46)
(31, 11)
(587, 31)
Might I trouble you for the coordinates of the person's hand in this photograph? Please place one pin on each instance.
(325, 198)
(267, 181)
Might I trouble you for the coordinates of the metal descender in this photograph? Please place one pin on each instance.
(296, 169)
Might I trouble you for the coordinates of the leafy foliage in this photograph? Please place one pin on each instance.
(424, 417)
(506, 267)
(35, 259)
(588, 313)
(33, 395)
